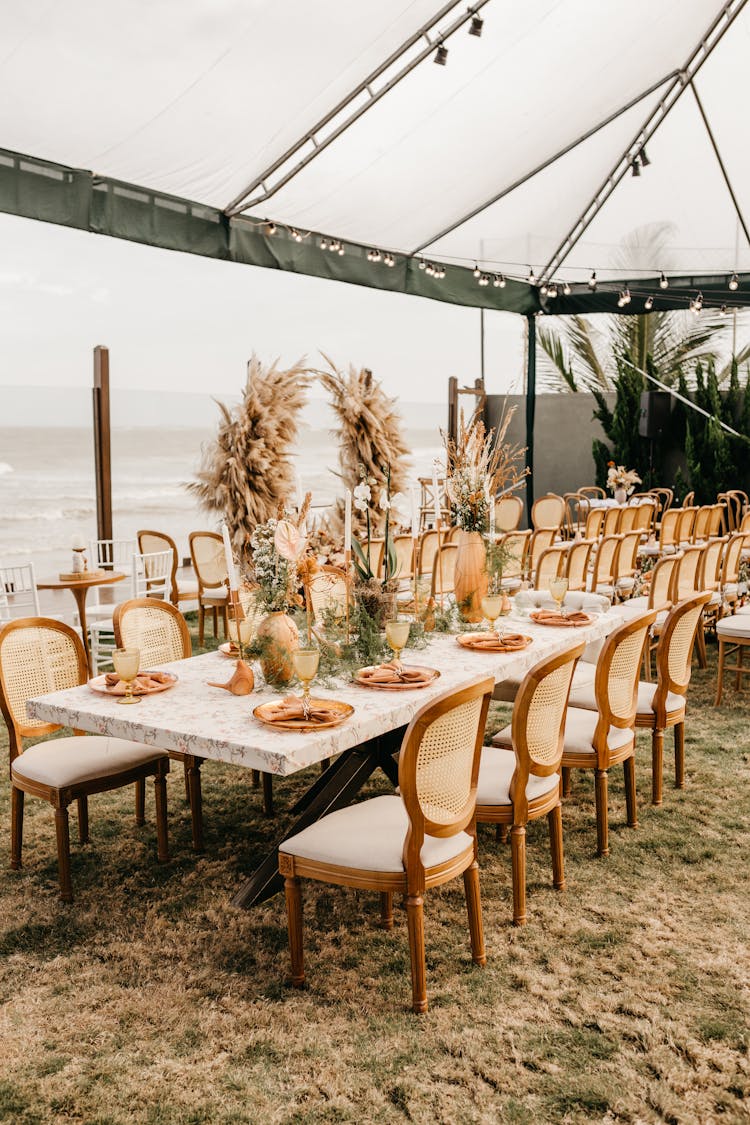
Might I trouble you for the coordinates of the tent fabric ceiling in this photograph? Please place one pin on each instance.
(195, 99)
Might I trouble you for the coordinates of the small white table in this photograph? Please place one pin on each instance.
(206, 722)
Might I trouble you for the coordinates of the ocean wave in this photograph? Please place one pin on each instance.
(48, 515)
(5, 468)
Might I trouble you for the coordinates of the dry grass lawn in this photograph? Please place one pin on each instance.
(625, 998)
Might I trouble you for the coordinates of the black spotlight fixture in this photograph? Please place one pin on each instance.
(476, 25)
(644, 158)
(635, 165)
(441, 55)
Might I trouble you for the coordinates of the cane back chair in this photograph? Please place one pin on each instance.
(210, 567)
(406, 843)
(519, 774)
(37, 656)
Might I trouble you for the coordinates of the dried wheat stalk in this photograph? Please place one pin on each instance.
(370, 434)
(246, 472)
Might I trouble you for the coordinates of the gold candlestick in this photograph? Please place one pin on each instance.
(347, 569)
(439, 528)
(415, 568)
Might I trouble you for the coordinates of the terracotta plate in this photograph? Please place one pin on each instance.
(430, 675)
(99, 683)
(563, 622)
(477, 642)
(264, 713)
(230, 650)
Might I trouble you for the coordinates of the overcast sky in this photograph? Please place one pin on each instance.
(178, 322)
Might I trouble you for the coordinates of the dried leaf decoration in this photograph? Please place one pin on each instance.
(370, 434)
(246, 472)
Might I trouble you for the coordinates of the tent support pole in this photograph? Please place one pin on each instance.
(102, 444)
(530, 410)
(724, 172)
(706, 45)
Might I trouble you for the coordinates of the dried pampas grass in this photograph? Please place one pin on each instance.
(370, 434)
(246, 473)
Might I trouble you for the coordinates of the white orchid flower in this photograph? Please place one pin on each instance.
(400, 508)
(362, 496)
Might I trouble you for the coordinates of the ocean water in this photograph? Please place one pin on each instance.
(47, 487)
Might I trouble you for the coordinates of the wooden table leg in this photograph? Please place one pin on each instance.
(332, 790)
(79, 593)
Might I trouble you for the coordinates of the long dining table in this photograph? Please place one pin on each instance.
(209, 723)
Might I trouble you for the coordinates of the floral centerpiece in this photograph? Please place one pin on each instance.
(279, 568)
(480, 464)
(622, 480)
(375, 590)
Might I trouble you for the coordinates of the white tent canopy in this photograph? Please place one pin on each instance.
(198, 99)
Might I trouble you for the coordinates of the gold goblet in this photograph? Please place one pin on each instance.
(306, 661)
(558, 588)
(492, 605)
(240, 634)
(126, 663)
(397, 634)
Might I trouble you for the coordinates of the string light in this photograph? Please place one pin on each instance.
(532, 277)
(734, 282)
(697, 303)
(270, 228)
(441, 55)
(389, 260)
(484, 280)
(543, 290)
(663, 283)
(422, 264)
(723, 310)
(476, 25)
(592, 281)
(566, 289)
(477, 271)
(324, 245)
(624, 298)
(648, 304)
(498, 281)
(552, 291)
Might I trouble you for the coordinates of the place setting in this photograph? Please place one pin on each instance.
(494, 640)
(393, 675)
(127, 683)
(560, 618)
(305, 712)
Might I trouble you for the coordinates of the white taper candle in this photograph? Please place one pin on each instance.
(234, 581)
(347, 520)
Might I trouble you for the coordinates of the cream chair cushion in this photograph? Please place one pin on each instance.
(579, 732)
(218, 596)
(369, 836)
(582, 695)
(187, 589)
(71, 761)
(733, 628)
(495, 772)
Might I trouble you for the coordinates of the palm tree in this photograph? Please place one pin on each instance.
(584, 353)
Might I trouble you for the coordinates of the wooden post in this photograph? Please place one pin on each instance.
(102, 444)
(453, 408)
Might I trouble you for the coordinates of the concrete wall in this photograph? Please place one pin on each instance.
(564, 429)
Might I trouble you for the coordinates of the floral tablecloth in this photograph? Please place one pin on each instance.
(210, 723)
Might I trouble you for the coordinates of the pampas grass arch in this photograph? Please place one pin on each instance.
(246, 472)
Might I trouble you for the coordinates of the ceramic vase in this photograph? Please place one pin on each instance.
(621, 495)
(470, 576)
(280, 638)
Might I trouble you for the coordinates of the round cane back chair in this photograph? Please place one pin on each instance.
(550, 564)
(157, 628)
(644, 519)
(701, 524)
(628, 517)
(539, 541)
(428, 544)
(508, 513)
(547, 512)
(444, 570)
(328, 593)
(594, 523)
(604, 561)
(403, 545)
(611, 521)
(577, 564)
(668, 540)
(433, 821)
(151, 542)
(593, 491)
(516, 547)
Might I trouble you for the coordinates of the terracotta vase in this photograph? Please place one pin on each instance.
(620, 495)
(280, 638)
(470, 576)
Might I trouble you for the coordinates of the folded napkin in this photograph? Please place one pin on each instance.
(291, 708)
(142, 684)
(393, 673)
(570, 621)
(493, 643)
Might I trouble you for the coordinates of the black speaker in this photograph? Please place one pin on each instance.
(655, 410)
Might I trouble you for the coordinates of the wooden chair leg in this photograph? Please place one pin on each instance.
(657, 766)
(717, 701)
(160, 792)
(700, 645)
(215, 616)
(16, 827)
(193, 766)
(566, 781)
(225, 621)
(140, 802)
(601, 795)
(631, 805)
(679, 756)
(518, 859)
(738, 676)
(501, 833)
(62, 831)
(415, 920)
(386, 910)
(83, 820)
(647, 662)
(293, 893)
(201, 623)
(554, 820)
(474, 910)
(267, 780)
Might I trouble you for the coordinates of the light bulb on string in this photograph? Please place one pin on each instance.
(626, 295)
(270, 228)
(552, 291)
(663, 283)
(422, 264)
(723, 310)
(477, 271)
(484, 280)
(734, 282)
(532, 277)
(498, 281)
(543, 289)
(566, 289)
(648, 304)
(324, 245)
(592, 281)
